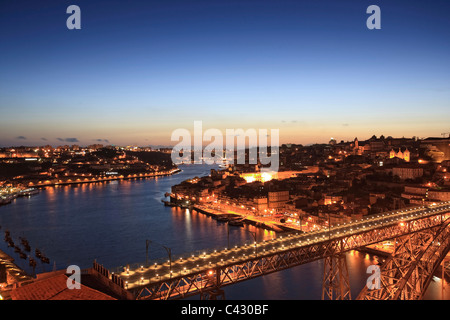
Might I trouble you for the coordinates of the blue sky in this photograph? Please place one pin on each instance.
(137, 70)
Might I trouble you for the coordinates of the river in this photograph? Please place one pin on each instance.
(111, 221)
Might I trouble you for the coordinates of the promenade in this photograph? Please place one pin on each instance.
(258, 221)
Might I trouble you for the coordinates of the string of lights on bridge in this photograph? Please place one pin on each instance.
(197, 263)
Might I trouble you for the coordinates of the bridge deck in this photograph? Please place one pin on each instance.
(209, 261)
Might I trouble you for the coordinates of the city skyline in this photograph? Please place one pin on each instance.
(134, 73)
(74, 142)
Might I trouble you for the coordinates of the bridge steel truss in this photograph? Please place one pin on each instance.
(445, 276)
(408, 271)
(335, 284)
(422, 244)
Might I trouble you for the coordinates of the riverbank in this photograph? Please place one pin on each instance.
(7, 198)
(82, 179)
(33, 187)
(252, 220)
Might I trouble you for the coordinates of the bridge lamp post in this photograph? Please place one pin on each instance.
(329, 226)
(168, 250)
(254, 237)
(253, 234)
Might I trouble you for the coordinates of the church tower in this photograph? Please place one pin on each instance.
(406, 155)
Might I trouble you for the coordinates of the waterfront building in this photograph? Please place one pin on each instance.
(277, 199)
(421, 194)
(260, 203)
(439, 195)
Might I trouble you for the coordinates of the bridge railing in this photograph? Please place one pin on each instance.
(162, 258)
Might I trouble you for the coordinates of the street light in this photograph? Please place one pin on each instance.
(254, 237)
(169, 253)
(228, 234)
(329, 225)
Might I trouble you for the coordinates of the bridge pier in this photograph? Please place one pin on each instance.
(407, 272)
(336, 285)
(445, 275)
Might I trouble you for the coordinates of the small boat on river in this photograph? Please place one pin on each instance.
(236, 222)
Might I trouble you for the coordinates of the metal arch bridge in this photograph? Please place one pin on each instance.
(422, 237)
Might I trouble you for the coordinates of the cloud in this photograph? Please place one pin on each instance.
(102, 140)
(68, 139)
(45, 139)
(21, 138)
(345, 124)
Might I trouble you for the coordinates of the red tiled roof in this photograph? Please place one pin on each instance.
(55, 288)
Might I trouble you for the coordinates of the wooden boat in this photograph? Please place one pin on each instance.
(32, 262)
(23, 241)
(169, 204)
(236, 222)
(45, 260)
(223, 218)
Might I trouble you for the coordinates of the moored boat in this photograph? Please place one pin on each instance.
(5, 200)
(236, 222)
(30, 192)
(45, 260)
(222, 218)
(32, 262)
(168, 203)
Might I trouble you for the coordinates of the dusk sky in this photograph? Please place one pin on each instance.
(137, 70)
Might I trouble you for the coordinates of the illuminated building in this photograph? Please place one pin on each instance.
(257, 176)
(277, 198)
(405, 155)
(260, 203)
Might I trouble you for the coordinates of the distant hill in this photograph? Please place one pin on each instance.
(153, 157)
